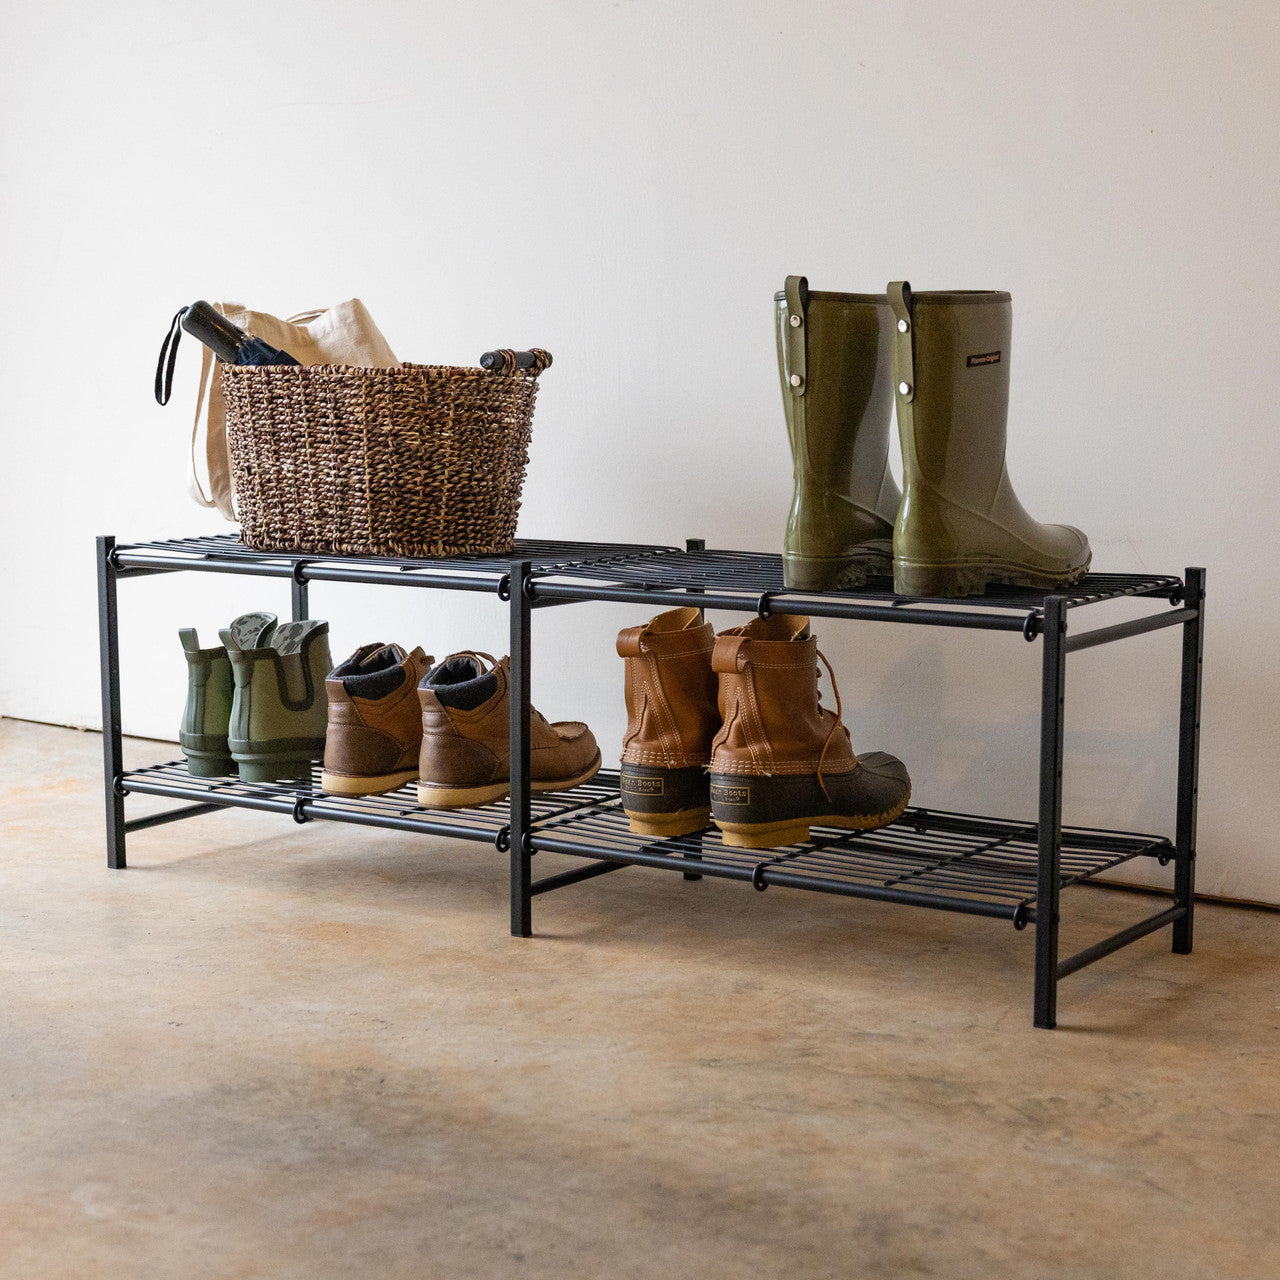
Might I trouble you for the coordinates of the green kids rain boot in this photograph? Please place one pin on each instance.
(835, 358)
(960, 524)
(279, 710)
(203, 735)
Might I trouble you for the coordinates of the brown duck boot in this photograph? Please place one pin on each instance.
(782, 761)
(375, 725)
(671, 721)
(466, 737)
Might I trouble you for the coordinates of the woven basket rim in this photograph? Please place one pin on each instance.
(365, 371)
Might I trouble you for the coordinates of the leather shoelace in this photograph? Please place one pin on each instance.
(835, 723)
(483, 657)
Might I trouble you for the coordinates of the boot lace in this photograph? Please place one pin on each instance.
(483, 657)
(479, 654)
(835, 722)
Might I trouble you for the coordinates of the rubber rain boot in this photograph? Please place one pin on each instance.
(782, 761)
(835, 358)
(960, 524)
(279, 709)
(210, 689)
(672, 719)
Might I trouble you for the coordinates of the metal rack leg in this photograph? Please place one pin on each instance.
(298, 600)
(694, 544)
(521, 871)
(1052, 705)
(109, 655)
(1184, 879)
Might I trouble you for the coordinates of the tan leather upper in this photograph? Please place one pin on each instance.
(466, 748)
(372, 736)
(773, 723)
(670, 690)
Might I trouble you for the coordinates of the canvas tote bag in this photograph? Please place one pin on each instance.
(343, 334)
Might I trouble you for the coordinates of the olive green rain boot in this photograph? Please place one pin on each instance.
(279, 711)
(961, 525)
(203, 735)
(835, 357)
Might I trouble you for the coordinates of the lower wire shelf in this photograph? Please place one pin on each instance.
(927, 857)
(398, 810)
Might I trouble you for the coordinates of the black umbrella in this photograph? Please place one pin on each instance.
(227, 341)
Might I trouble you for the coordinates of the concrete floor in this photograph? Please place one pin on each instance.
(267, 1050)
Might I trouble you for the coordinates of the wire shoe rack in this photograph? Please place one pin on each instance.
(968, 863)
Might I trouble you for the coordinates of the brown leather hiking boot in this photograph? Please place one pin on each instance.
(781, 761)
(466, 737)
(671, 721)
(375, 726)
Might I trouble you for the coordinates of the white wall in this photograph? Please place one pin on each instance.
(627, 185)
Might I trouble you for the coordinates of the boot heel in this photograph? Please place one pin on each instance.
(832, 573)
(947, 580)
(283, 770)
(665, 802)
(211, 766)
(761, 812)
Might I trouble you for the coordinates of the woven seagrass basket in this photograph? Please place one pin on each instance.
(421, 460)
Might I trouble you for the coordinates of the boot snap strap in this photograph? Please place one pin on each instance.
(904, 340)
(795, 371)
(629, 641)
(725, 656)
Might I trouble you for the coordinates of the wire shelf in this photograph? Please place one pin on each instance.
(952, 861)
(226, 551)
(397, 809)
(751, 573)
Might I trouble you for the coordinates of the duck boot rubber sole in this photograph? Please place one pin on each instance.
(434, 796)
(755, 811)
(972, 576)
(665, 802)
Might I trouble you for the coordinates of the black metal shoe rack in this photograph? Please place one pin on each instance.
(1009, 870)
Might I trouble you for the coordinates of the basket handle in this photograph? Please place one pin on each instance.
(507, 361)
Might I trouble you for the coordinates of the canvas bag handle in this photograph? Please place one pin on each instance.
(221, 493)
(361, 342)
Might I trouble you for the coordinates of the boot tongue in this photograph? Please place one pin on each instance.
(779, 626)
(675, 620)
(458, 668)
(381, 673)
(461, 681)
(388, 655)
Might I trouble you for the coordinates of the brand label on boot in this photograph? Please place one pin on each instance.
(722, 794)
(643, 786)
(987, 357)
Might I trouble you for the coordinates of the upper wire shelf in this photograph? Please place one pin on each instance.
(755, 572)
